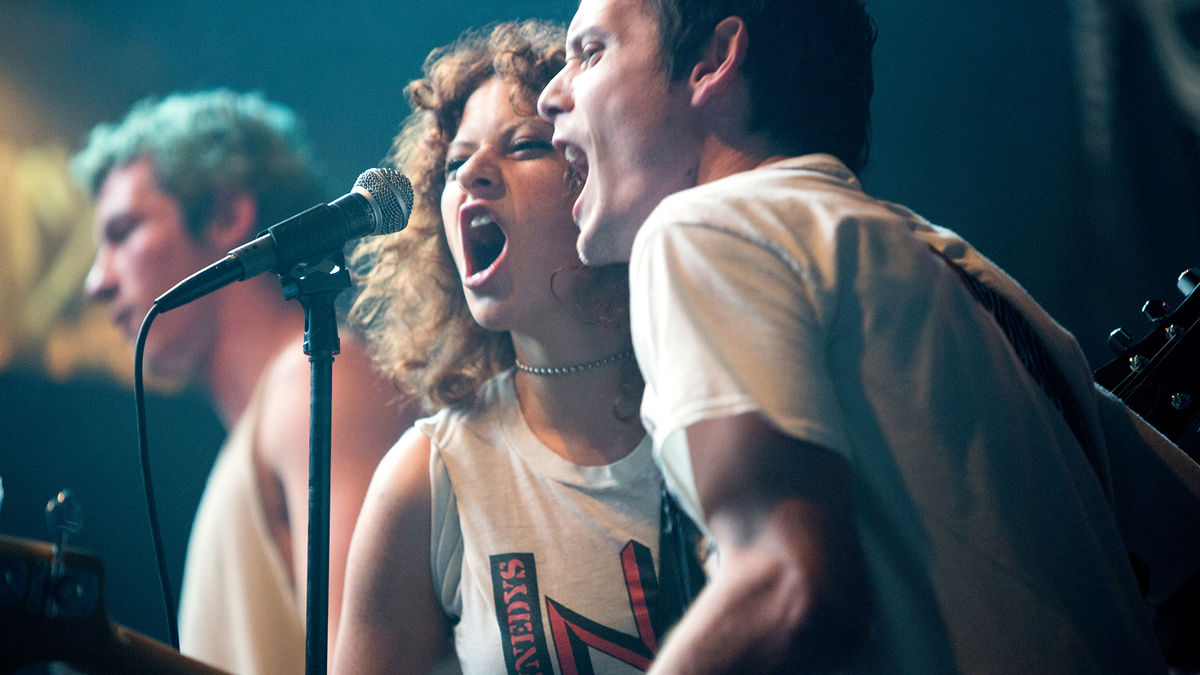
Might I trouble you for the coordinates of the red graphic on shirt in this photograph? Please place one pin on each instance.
(574, 635)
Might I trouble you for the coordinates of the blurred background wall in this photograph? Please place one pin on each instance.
(1045, 132)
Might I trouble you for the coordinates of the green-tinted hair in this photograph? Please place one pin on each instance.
(206, 146)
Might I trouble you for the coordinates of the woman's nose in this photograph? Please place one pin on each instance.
(479, 173)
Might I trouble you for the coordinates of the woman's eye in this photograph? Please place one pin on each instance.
(531, 145)
(452, 166)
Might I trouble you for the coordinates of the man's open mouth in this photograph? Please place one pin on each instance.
(578, 161)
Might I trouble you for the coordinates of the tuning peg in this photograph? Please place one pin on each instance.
(1119, 341)
(1180, 400)
(64, 516)
(1188, 281)
(1156, 310)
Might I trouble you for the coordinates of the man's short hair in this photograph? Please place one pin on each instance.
(206, 146)
(808, 65)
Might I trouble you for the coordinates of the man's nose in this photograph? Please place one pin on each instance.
(99, 283)
(555, 98)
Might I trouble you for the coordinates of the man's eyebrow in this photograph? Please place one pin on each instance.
(575, 41)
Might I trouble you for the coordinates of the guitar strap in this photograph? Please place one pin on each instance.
(681, 577)
(1028, 348)
(1036, 359)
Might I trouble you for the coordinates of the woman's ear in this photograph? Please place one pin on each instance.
(722, 61)
(234, 219)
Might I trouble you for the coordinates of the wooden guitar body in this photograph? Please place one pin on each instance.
(52, 609)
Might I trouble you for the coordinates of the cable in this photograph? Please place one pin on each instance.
(139, 395)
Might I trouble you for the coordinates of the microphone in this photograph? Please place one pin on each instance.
(380, 203)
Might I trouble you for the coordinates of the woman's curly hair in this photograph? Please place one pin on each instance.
(410, 301)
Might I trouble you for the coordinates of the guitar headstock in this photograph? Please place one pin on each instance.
(1159, 376)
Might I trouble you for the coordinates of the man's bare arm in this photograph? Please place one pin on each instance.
(791, 594)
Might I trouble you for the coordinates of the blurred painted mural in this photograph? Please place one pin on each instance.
(1059, 137)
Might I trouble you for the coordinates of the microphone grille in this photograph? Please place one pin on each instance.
(392, 194)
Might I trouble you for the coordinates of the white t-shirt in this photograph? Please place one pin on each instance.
(989, 540)
(542, 563)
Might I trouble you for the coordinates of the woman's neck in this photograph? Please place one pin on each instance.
(585, 416)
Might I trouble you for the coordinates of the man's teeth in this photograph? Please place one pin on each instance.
(481, 220)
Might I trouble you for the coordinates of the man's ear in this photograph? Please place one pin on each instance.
(721, 63)
(234, 218)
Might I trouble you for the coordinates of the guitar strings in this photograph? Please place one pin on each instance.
(1135, 377)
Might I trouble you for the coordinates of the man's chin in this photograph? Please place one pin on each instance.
(592, 255)
(168, 371)
(600, 246)
(166, 378)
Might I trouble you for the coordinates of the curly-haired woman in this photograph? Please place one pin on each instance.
(524, 515)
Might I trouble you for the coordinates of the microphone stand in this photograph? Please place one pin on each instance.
(317, 287)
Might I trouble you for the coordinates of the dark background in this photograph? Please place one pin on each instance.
(980, 125)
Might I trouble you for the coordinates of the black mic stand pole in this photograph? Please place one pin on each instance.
(317, 287)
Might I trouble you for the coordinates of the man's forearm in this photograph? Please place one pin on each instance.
(773, 607)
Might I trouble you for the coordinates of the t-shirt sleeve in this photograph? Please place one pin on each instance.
(724, 325)
(446, 544)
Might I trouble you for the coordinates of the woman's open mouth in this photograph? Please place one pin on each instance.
(483, 244)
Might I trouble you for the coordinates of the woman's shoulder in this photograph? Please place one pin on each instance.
(492, 407)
